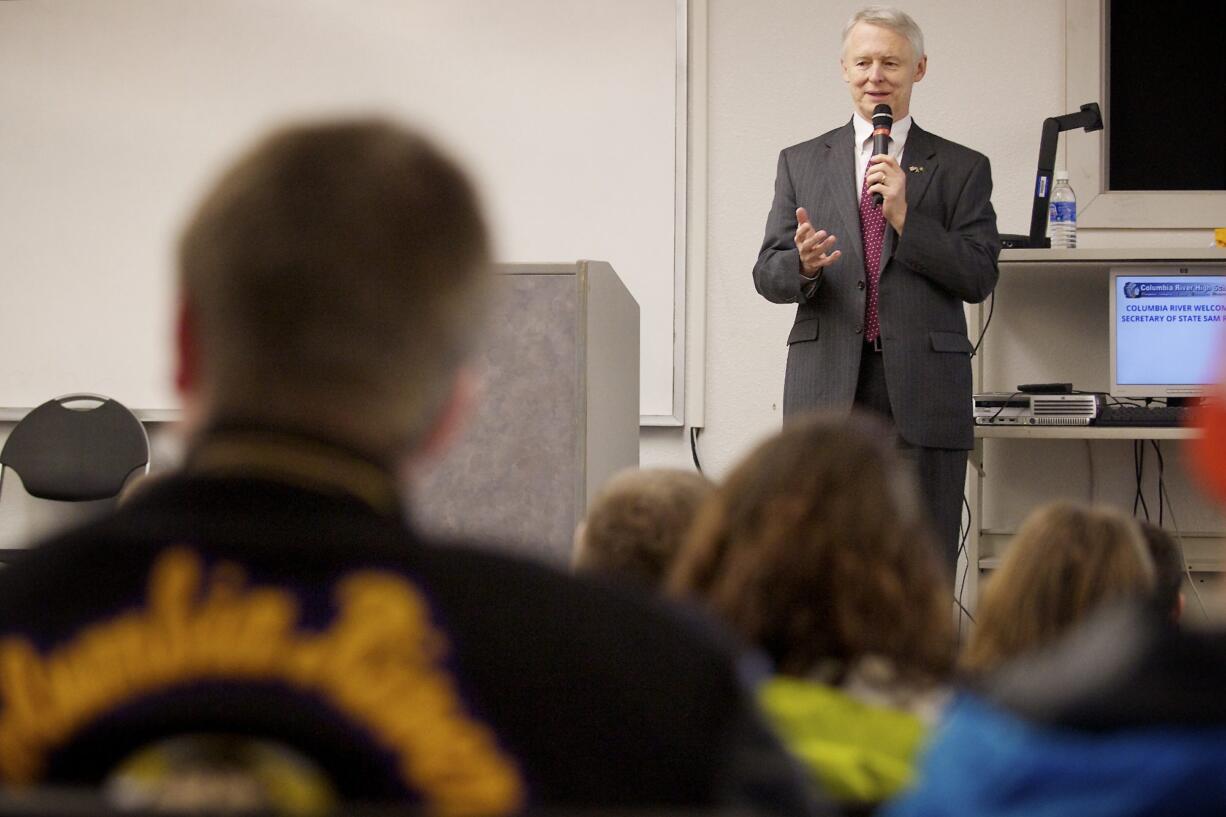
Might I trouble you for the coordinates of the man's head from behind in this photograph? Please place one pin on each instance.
(1169, 571)
(636, 525)
(328, 281)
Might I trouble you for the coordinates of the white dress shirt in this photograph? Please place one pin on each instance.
(864, 139)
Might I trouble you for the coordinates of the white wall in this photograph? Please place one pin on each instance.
(995, 71)
(119, 113)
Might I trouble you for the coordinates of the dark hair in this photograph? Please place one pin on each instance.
(1168, 569)
(332, 271)
(814, 549)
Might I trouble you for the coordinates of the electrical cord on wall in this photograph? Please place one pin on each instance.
(1090, 466)
(1187, 568)
(962, 552)
(1161, 478)
(1164, 506)
(1138, 467)
(694, 446)
(983, 333)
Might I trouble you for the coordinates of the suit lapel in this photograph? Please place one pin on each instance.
(919, 162)
(838, 173)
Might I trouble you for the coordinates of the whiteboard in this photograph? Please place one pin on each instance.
(118, 114)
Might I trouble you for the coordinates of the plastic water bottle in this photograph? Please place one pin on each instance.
(1062, 214)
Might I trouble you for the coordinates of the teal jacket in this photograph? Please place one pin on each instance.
(1125, 718)
(989, 762)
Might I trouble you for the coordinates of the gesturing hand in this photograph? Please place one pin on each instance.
(813, 245)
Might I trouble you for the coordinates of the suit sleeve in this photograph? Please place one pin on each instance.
(777, 275)
(961, 259)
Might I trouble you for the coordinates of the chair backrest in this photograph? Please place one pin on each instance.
(76, 454)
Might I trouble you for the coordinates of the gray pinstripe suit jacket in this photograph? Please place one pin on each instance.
(945, 256)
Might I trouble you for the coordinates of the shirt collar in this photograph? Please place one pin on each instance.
(864, 130)
(299, 458)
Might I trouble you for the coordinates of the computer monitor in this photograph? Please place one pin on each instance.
(1166, 327)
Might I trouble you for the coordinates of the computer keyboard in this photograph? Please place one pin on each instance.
(1151, 416)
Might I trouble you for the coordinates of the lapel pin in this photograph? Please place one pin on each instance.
(915, 169)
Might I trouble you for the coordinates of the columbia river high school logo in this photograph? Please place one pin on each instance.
(380, 663)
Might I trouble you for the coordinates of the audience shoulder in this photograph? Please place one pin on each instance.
(587, 607)
(1076, 682)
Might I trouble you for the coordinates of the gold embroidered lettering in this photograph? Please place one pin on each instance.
(379, 663)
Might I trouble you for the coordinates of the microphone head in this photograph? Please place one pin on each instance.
(883, 116)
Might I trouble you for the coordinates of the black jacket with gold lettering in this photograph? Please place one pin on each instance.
(273, 590)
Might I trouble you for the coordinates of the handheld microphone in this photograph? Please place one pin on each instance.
(883, 120)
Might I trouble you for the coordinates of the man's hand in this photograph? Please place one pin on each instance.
(813, 245)
(888, 179)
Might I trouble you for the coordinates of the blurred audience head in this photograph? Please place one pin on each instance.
(1169, 570)
(635, 526)
(815, 550)
(1065, 562)
(328, 282)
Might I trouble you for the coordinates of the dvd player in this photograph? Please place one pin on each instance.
(1015, 409)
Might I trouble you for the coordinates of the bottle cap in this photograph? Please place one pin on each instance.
(1062, 175)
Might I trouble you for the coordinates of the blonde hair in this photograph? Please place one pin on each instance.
(635, 526)
(1065, 562)
(894, 19)
(814, 549)
(332, 272)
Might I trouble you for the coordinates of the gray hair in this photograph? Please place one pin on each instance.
(894, 19)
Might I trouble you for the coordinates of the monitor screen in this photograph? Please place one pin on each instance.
(1165, 330)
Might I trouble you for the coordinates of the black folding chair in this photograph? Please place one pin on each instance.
(76, 454)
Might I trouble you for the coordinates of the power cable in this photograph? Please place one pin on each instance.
(962, 552)
(983, 333)
(1187, 568)
(1138, 466)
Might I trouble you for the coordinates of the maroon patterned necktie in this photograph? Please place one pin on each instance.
(872, 233)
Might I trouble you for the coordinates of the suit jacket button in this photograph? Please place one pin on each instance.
(859, 329)
(859, 285)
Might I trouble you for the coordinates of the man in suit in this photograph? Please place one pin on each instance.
(880, 290)
(274, 587)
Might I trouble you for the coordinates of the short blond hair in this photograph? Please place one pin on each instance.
(894, 19)
(637, 523)
(333, 271)
(1065, 562)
